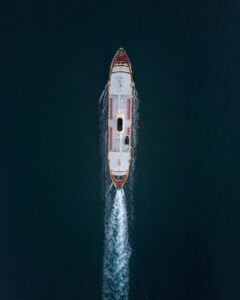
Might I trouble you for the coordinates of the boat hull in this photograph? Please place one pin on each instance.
(120, 110)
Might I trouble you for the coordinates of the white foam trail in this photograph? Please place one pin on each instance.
(117, 251)
(118, 214)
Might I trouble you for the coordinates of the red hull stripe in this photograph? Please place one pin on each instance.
(110, 109)
(110, 138)
(129, 109)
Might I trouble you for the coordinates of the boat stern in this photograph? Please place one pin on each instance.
(119, 181)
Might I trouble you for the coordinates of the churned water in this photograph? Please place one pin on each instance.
(117, 249)
(118, 215)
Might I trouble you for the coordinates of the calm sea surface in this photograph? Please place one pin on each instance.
(54, 64)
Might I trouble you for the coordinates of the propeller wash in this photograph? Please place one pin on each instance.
(118, 125)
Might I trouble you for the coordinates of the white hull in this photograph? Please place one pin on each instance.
(120, 104)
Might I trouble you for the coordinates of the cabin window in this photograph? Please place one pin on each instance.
(118, 177)
(119, 124)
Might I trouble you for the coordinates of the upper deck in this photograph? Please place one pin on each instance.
(120, 109)
(120, 97)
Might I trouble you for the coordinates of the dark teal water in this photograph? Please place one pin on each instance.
(54, 61)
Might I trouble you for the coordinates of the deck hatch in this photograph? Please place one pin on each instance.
(119, 124)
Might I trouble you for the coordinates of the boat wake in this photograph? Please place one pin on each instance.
(118, 215)
(117, 249)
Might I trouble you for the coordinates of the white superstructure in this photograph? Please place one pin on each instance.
(120, 103)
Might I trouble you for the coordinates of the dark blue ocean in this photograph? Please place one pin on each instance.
(184, 232)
